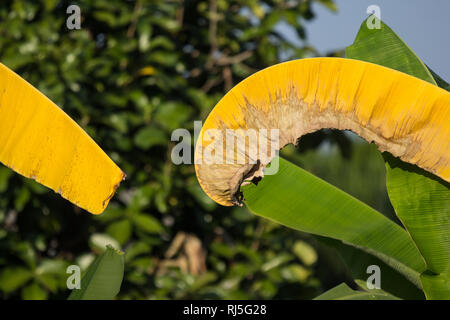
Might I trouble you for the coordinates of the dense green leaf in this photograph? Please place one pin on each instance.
(13, 278)
(147, 223)
(120, 230)
(312, 205)
(150, 136)
(99, 241)
(34, 292)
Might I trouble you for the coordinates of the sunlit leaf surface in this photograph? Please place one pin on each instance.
(40, 141)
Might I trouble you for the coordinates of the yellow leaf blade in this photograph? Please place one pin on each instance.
(40, 141)
(403, 115)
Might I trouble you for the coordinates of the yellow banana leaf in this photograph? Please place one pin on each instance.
(401, 114)
(41, 142)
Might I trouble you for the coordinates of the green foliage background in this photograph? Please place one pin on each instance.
(135, 71)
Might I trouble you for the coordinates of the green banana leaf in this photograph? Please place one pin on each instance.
(356, 261)
(384, 47)
(346, 260)
(421, 200)
(103, 278)
(297, 199)
(344, 292)
(436, 286)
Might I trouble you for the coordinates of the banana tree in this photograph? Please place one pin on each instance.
(386, 95)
